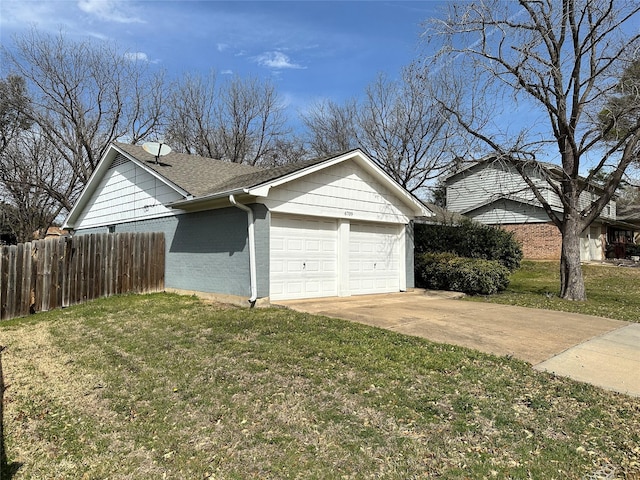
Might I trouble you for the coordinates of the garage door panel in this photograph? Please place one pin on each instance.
(293, 266)
(294, 245)
(374, 264)
(309, 254)
(312, 246)
(311, 267)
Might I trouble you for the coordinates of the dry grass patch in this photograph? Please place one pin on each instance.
(163, 386)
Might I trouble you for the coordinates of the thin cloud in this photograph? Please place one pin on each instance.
(21, 13)
(226, 72)
(110, 10)
(136, 56)
(276, 60)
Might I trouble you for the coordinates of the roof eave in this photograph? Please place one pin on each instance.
(504, 197)
(196, 202)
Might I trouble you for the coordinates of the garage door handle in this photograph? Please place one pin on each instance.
(304, 265)
(374, 265)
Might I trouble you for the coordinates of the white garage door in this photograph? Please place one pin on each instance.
(303, 256)
(374, 258)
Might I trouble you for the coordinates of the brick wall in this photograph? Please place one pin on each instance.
(539, 241)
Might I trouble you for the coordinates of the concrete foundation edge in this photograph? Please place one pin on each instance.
(222, 298)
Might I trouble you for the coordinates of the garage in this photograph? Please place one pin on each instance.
(323, 227)
(374, 258)
(314, 257)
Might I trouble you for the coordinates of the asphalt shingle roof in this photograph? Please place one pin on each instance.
(197, 175)
(201, 176)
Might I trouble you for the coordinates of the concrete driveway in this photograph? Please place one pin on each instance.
(595, 350)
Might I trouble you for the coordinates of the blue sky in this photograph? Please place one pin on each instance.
(311, 50)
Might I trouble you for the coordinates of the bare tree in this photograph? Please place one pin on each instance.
(622, 109)
(559, 61)
(250, 120)
(290, 149)
(241, 120)
(191, 116)
(30, 170)
(14, 102)
(405, 130)
(398, 123)
(28, 167)
(331, 127)
(83, 96)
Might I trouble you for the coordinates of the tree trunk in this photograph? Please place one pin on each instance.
(571, 279)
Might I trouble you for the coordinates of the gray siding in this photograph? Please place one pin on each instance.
(504, 212)
(208, 251)
(262, 222)
(483, 184)
(409, 256)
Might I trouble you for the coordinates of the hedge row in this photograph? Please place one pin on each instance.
(447, 271)
(471, 240)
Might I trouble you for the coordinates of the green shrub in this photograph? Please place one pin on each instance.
(447, 271)
(471, 240)
(632, 249)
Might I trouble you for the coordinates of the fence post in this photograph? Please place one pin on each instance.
(4, 281)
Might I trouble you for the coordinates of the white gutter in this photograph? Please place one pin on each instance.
(252, 248)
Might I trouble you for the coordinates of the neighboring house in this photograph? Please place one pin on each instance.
(334, 226)
(494, 193)
(628, 230)
(441, 216)
(55, 233)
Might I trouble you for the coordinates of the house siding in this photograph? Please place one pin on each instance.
(479, 192)
(201, 256)
(127, 192)
(508, 212)
(262, 222)
(409, 256)
(341, 191)
(485, 183)
(476, 186)
(588, 197)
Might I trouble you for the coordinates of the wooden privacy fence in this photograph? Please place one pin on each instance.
(47, 274)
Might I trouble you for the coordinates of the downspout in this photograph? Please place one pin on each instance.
(252, 248)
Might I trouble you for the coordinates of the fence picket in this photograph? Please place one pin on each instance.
(4, 279)
(25, 284)
(46, 274)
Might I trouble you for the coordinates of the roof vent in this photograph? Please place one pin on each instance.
(119, 160)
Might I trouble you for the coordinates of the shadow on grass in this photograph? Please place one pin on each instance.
(8, 471)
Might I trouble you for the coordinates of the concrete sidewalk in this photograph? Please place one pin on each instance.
(591, 349)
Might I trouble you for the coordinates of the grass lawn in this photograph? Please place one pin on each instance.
(612, 292)
(163, 386)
